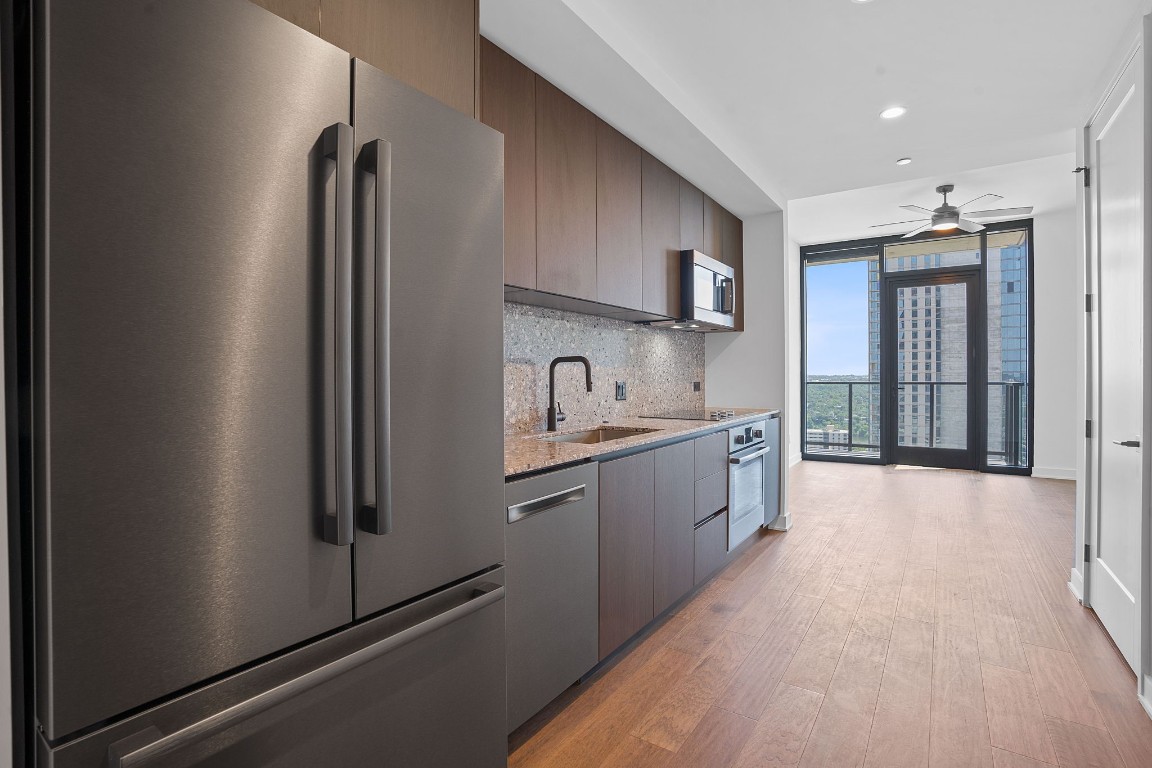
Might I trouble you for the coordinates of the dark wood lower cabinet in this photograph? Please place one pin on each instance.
(627, 510)
(673, 545)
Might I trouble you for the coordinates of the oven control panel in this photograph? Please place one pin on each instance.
(746, 436)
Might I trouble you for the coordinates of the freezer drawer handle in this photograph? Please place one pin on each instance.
(376, 516)
(338, 526)
(125, 753)
(749, 457)
(544, 503)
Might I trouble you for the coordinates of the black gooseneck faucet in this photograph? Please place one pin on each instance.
(555, 414)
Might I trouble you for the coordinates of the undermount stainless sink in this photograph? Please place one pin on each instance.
(601, 435)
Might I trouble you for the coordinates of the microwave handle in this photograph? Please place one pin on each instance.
(727, 295)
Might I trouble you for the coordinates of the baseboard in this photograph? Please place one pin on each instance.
(1054, 473)
(795, 459)
(1146, 704)
(1076, 585)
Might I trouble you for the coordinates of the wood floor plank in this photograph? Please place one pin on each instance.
(751, 688)
(918, 593)
(815, 661)
(840, 735)
(1015, 720)
(637, 753)
(716, 742)
(997, 635)
(911, 639)
(953, 604)
(901, 728)
(755, 617)
(1004, 759)
(959, 719)
(1082, 746)
(1060, 686)
(781, 733)
(819, 579)
(671, 721)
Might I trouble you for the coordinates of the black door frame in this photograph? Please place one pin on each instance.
(972, 457)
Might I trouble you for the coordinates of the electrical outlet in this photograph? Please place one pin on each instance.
(695, 386)
(621, 390)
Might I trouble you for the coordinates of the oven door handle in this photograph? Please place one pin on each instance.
(755, 455)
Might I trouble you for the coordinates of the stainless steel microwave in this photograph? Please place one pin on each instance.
(707, 292)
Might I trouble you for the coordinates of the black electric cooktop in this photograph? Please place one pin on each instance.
(703, 414)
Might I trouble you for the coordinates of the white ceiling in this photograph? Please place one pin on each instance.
(1047, 184)
(790, 90)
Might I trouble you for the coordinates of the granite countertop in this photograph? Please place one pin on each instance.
(528, 453)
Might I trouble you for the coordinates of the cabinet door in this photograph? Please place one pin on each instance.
(565, 194)
(691, 217)
(733, 253)
(673, 542)
(660, 224)
(619, 253)
(508, 104)
(428, 44)
(626, 524)
(714, 229)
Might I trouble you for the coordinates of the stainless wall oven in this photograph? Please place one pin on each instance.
(750, 467)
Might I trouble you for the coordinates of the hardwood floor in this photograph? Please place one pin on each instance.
(909, 618)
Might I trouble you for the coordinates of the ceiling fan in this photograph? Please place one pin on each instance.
(948, 217)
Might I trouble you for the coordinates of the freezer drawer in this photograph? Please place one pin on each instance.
(553, 586)
(420, 686)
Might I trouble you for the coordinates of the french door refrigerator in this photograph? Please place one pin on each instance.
(266, 430)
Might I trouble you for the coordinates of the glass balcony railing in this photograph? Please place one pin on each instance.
(844, 418)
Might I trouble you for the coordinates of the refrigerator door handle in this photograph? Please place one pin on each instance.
(337, 145)
(376, 516)
(149, 744)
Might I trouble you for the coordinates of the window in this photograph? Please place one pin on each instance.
(844, 406)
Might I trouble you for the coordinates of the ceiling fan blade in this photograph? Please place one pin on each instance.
(998, 212)
(969, 226)
(917, 209)
(897, 223)
(994, 197)
(915, 232)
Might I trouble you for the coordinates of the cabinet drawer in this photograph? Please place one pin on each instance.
(711, 454)
(711, 495)
(711, 547)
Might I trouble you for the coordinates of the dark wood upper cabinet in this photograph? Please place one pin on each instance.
(673, 543)
(508, 104)
(733, 237)
(428, 44)
(714, 230)
(627, 504)
(303, 13)
(565, 194)
(619, 250)
(660, 223)
(691, 217)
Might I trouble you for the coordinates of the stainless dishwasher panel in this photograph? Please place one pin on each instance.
(553, 586)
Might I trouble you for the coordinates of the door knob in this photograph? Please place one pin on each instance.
(1127, 443)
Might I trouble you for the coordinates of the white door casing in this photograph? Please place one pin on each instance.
(1116, 200)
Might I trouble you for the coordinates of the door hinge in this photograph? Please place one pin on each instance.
(1088, 302)
(1088, 428)
(1087, 553)
(1087, 174)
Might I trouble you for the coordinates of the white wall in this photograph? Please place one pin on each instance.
(1059, 299)
(747, 370)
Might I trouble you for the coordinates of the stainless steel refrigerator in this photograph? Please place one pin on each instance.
(265, 396)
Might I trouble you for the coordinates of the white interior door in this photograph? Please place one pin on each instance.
(1117, 241)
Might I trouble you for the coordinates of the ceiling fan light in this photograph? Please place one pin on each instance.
(893, 112)
(944, 226)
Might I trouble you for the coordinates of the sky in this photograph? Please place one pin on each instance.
(837, 322)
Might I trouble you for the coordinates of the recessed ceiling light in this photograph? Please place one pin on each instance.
(893, 112)
(904, 161)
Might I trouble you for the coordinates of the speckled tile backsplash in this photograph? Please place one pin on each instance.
(659, 366)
